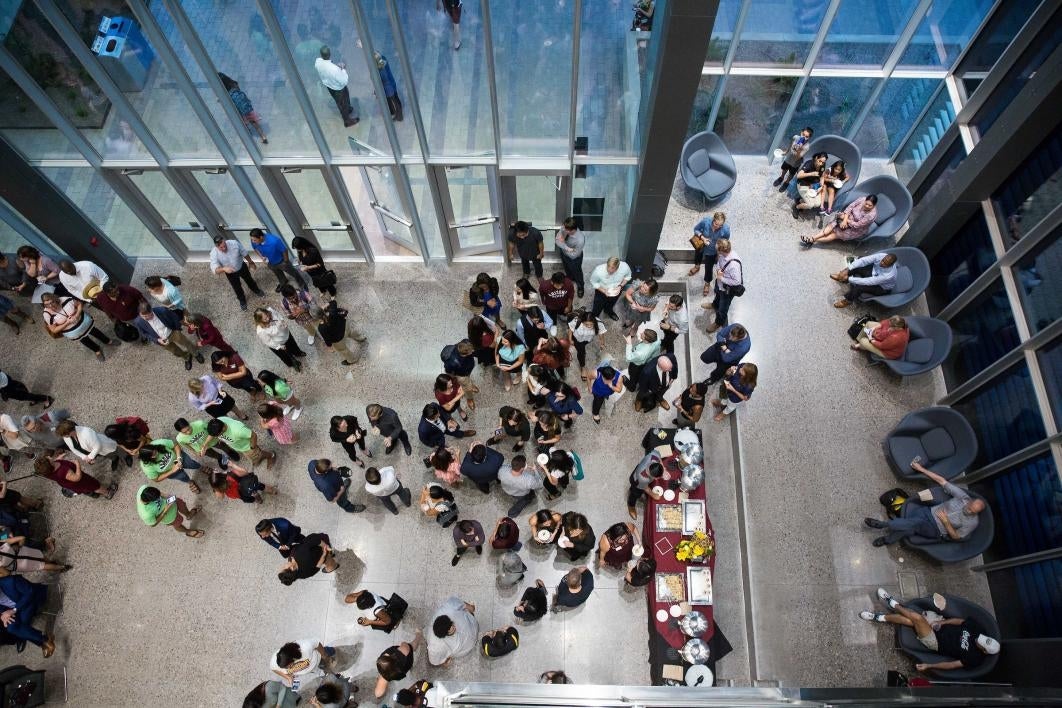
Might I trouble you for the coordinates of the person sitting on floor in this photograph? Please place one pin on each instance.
(809, 184)
(870, 275)
(887, 339)
(851, 224)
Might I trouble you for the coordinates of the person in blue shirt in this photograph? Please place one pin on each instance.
(481, 465)
(706, 233)
(732, 343)
(332, 484)
(279, 533)
(276, 255)
(394, 103)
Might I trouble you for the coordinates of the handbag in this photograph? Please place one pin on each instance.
(857, 326)
(448, 516)
(126, 332)
(893, 501)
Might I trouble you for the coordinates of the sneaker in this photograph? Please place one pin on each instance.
(455, 560)
(457, 45)
(873, 523)
(310, 339)
(356, 509)
(888, 599)
(785, 186)
(286, 409)
(777, 182)
(872, 616)
(296, 413)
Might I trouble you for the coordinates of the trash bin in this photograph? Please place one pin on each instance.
(124, 53)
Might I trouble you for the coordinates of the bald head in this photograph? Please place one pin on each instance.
(664, 364)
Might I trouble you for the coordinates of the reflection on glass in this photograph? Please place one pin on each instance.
(830, 104)
(968, 254)
(1027, 504)
(862, 35)
(993, 40)
(1038, 275)
(1004, 415)
(1032, 191)
(158, 190)
(1034, 597)
(533, 67)
(322, 215)
(385, 240)
(222, 190)
(478, 236)
(702, 103)
(983, 332)
(723, 30)
(897, 108)
(944, 32)
(750, 111)
(536, 200)
(469, 193)
(89, 192)
(11, 239)
(925, 137)
(29, 130)
(609, 94)
(614, 184)
(1050, 359)
(429, 218)
(389, 68)
(779, 33)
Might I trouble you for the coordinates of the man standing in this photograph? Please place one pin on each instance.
(656, 378)
(81, 279)
(638, 353)
(870, 275)
(155, 509)
(453, 631)
(279, 533)
(481, 465)
(526, 241)
(570, 243)
(119, 302)
(383, 484)
(520, 481)
(557, 295)
(163, 327)
(642, 479)
(386, 423)
(574, 589)
(275, 253)
(228, 257)
(10, 388)
(453, 9)
(676, 321)
(732, 343)
(334, 77)
(729, 278)
(333, 484)
(608, 280)
(240, 438)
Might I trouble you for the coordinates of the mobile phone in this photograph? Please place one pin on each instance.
(170, 500)
(498, 431)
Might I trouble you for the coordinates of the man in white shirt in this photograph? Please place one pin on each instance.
(383, 484)
(676, 321)
(76, 277)
(608, 280)
(453, 631)
(334, 77)
(228, 257)
(870, 275)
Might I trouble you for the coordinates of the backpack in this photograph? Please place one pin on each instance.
(660, 264)
(893, 501)
(447, 517)
(247, 486)
(578, 474)
(448, 353)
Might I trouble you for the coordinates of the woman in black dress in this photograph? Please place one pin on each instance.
(577, 539)
(313, 265)
(308, 558)
(345, 430)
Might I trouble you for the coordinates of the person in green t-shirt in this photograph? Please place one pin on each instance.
(155, 509)
(240, 438)
(193, 437)
(279, 389)
(163, 459)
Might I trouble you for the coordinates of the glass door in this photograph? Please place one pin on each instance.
(374, 192)
(470, 203)
(321, 215)
(542, 200)
(179, 218)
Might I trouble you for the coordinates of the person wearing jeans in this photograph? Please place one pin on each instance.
(163, 327)
(729, 274)
(277, 256)
(608, 280)
(570, 243)
(333, 484)
(231, 259)
(519, 481)
(383, 483)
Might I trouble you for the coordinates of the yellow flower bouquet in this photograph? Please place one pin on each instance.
(696, 549)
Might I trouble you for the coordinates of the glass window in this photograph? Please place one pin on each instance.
(387, 237)
(615, 185)
(1050, 359)
(12, 238)
(944, 32)
(131, 62)
(1038, 282)
(993, 40)
(1026, 502)
(750, 111)
(830, 104)
(968, 254)
(1004, 415)
(863, 36)
(29, 130)
(1031, 192)
(533, 40)
(925, 136)
(1033, 606)
(232, 205)
(393, 78)
(940, 174)
(88, 191)
(609, 95)
(173, 209)
(429, 220)
(779, 32)
(723, 30)
(983, 331)
(898, 106)
(702, 103)
(452, 87)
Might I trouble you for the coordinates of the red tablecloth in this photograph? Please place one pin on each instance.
(666, 562)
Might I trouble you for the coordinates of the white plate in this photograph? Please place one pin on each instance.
(675, 610)
(658, 490)
(637, 551)
(661, 615)
(669, 494)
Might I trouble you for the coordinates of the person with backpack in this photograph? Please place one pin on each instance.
(243, 106)
(437, 502)
(378, 612)
(239, 483)
(459, 361)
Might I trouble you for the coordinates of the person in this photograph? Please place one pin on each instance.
(962, 639)
(460, 364)
(887, 339)
(524, 295)
(155, 509)
(511, 569)
(526, 241)
(345, 430)
(509, 355)
(334, 78)
(467, 533)
(445, 464)
(571, 242)
(505, 536)
(40, 429)
(120, 303)
(547, 430)
(638, 353)
(243, 106)
(499, 642)
(299, 305)
(532, 327)
(574, 589)
(333, 484)
(394, 662)
(206, 394)
(82, 279)
(607, 383)
(65, 317)
(308, 558)
(279, 533)
(640, 298)
(436, 499)
(835, 178)
(556, 472)
(281, 391)
(87, 444)
(20, 601)
(312, 263)
(483, 283)
(7, 307)
(489, 298)
(239, 483)
(449, 394)
(165, 292)
(577, 536)
(271, 694)
(656, 378)
(870, 275)
(584, 329)
(690, 405)
(68, 475)
(164, 459)
(194, 436)
(240, 438)
(435, 424)
(390, 87)
(616, 547)
(739, 384)
(229, 367)
(545, 526)
(533, 603)
(482, 333)
(706, 234)
(794, 156)
(731, 345)
(12, 388)
(377, 612)
(519, 481)
(452, 631)
(641, 573)
(452, 8)
(511, 423)
(851, 224)
(643, 16)
(38, 269)
(608, 280)
(676, 322)
(953, 519)
(729, 280)
(205, 333)
(334, 330)
(481, 465)
(298, 662)
(334, 691)
(18, 558)
(163, 327)
(809, 184)
(536, 377)
(647, 475)
(275, 254)
(386, 423)
(564, 401)
(228, 257)
(274, 333)
(383, 484)
(274, 420)
(14, 503)
(131, 434)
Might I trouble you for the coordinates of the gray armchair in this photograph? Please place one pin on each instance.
(707, 166)
(836, 148)
(912, 278)
(894, 205)
(941, 436)
(953, 607)
(952, 551)
(927, 349)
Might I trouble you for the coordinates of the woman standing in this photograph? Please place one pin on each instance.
(617, 545)
(641, 299)
(446, 465)
(299, 306)
(556, 472)
(555, 353)
(609, 382)
(273, 333)
(545, 526)
(229, 367)
(536, 377)
(206, 394)
(513, 423)
(205, 333)
(564, 401)
(490, 299)
(524, 296)
(345, 430)
(449, 394)
(308, 558)
(38, 268)
(86, 443)
(577, 537)
(66, 317)
(16, 557)
(739, 384)
(436, 499)
(585, 327)
(68, 475)
(547, 430)
(280, 390)
(243, 105)
(312, 263)
(690, 405)
(509, 354)
(274, 420)
(482, 333)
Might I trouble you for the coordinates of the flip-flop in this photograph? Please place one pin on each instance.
(806, 242)
(194, 533)
(193, 487)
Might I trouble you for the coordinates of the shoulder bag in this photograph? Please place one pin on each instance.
(739, 289)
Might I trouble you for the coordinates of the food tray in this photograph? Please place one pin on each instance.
(668, 517)
(699, 584)
(670, 587)
(693, 517)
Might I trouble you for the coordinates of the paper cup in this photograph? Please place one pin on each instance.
(661, 615)
(658, 490)
(543, 459)
(778, 153)
(637, 551)
(543, 536)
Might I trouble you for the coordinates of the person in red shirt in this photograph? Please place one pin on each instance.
(205, 333)
(888, 340)
(557, 295)
(229, 367)
(119, 302)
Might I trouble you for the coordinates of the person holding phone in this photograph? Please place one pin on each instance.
(706, 233)
(154, 509)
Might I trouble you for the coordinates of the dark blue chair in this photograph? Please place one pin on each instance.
(707, 165)
(927, 349)
(953, 607)
(912, 278)
(941, 436)
(945, 552)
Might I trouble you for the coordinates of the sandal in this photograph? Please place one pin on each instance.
(193, 488)
(194, 533)
(807, 241)
(695, 270)
(192, 512)
(464, 416)
(706, 290)
(719, 417)
(471, 405)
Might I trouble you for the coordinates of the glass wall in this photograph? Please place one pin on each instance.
(863, 35)
(1032, 192)
(963, 258)
(944, 33)
(894, 112)
(779, 32)
(1004, 414)
(983, 331)
(830, 105)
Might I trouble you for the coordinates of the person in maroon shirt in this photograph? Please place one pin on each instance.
(205, 332)
(119, 302)
(68, 475)
(229, 367)
(557, 295)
